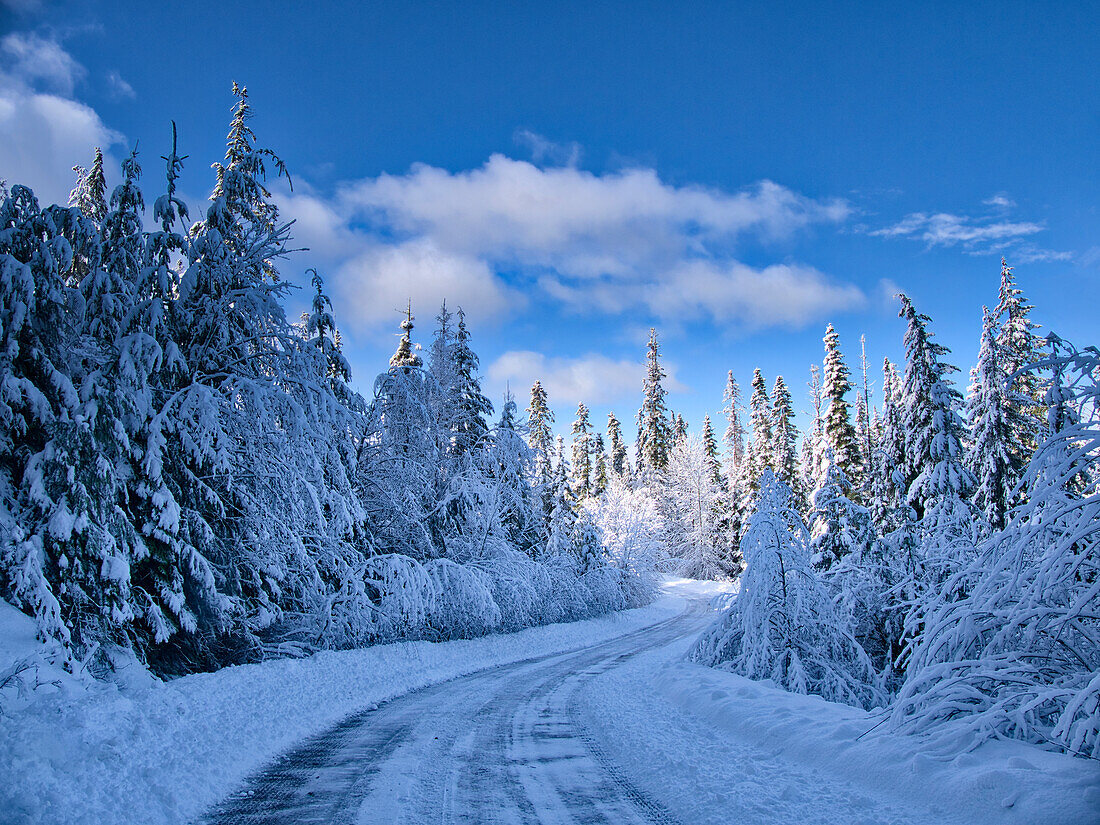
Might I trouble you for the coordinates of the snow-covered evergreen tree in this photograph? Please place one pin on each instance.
(710, 449)
(839, 526)
(89, 195)
(1017, 348)
(620, 462)
(988, 453)
(582, 454)
(600, 477)
(784, 438)
(760, 414)
(473, 408)
(539, 433)
(840, 435)
(654, 430)
(783, 626)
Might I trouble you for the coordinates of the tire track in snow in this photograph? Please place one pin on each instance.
(500, 745)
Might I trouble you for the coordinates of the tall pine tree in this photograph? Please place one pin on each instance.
(654, 431)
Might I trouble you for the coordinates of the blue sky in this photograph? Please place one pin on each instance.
(735, 176)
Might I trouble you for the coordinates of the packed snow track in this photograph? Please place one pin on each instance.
(504, 745)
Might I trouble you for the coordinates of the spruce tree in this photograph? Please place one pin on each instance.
(582, 463)
(840, 435)
(600, 479)
(539, 433)
(889, 461)
(474, 409)
(654, 431)
(710, 449)
(679, 429)
(90, 193)
(760, 413)
(864, 429)
(405, 356)
(988, 454)
(620, 463)
(734, 437)
(933, 429)
(322, 334)
(784, 439)
(1017, 347)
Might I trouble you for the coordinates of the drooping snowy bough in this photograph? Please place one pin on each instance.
(783, 626)
(1018, 656)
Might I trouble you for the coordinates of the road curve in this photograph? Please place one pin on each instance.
(503, 745)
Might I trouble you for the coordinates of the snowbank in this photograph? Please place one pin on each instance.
(166, 752)
(730, 749)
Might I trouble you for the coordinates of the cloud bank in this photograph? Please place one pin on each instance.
(512, 233)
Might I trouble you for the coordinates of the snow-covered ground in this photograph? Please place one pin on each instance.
(698, 745)
(716, 747)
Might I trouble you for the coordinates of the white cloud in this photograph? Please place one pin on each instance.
(43, 132)
(945, 229)
(1001, 201)
(119, 88)
(542, 149)
(593, 379)
(990, 234)
(609, 242)
(579, 223)
(378, 281)
(778, 295)
(40, 62)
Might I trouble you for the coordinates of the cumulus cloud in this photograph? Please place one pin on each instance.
(43, 131)
(593, 378)
(41, 62)
(605, 242)
(376, 283)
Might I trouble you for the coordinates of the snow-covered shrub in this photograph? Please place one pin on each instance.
(1011, 644)
(400, 594)
(462, 606)
(782, 625)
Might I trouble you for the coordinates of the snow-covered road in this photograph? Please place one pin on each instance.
(595, 721)
(505, 745)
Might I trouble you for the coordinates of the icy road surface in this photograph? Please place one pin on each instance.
(501, 746)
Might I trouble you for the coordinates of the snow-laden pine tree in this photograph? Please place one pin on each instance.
(1017, 348)
(43, 521)
(888, 465)
(474, 409)
(864, 423)
(814, 465)
(784, 461)
(619, 461)
(562, 515)
(679, 429)
(582, 454)
(783, 626)
(1010, 646)
(654, 430)
(599, 470)
(839, 526)
(734, 437)
(710, 449)
(405, 357)
(89, 195)
(321, 332)
(760, 415)
(840, 435)
(988, 453)
(933, 429)
(539, 433)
